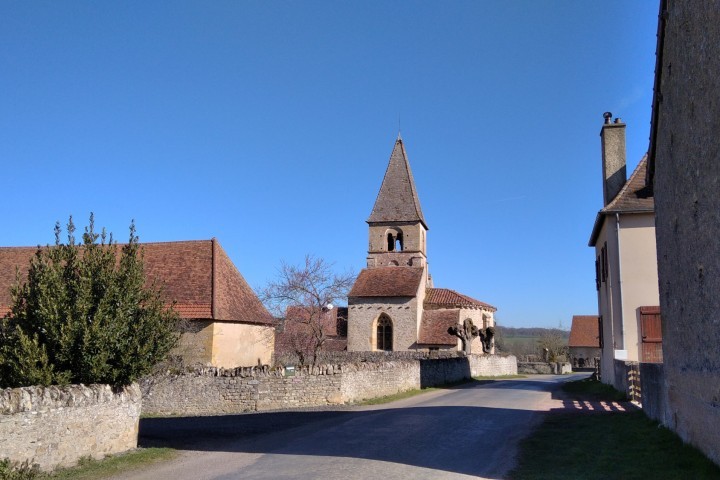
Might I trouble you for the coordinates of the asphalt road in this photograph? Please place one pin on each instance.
(468, 431)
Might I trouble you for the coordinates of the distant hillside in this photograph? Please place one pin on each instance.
(525, 342)
(531, 332)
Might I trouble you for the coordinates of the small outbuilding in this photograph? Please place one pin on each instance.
(584, 341)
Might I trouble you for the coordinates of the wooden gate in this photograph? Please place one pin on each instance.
(651, 331)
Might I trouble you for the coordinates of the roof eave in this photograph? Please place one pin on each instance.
(374, 223)
(604, 213)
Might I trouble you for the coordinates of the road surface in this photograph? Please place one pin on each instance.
(466, 431)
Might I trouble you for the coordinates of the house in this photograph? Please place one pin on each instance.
(684, 172)
(227, 325)
(626, 262)
(393, 305)
(584, 342)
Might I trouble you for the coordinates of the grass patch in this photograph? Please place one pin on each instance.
(89, 469)
(395, 396)
(613, 445)
(595, 446)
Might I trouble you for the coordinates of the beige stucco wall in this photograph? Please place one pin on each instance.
(631, 283)
(639, 278)
(609, 300)
(241, 345)
(363, 313)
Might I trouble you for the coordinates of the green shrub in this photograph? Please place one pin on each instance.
(16, 471)
(85, 315)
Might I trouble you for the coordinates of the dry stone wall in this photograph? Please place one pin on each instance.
(56, 426)
(544, 368)
(211, 391)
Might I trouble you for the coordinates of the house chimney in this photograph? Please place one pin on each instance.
(614, 170)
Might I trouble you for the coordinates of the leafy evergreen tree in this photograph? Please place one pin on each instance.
(85, 315)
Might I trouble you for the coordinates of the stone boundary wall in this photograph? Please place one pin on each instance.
(56, 426)
(655, 402)
(544, 368)
(212, 391)
(627, 379)
(493, 365)
(343, 357)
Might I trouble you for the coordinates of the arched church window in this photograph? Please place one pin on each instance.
(399, 243)
(384, 333)
(391, 242)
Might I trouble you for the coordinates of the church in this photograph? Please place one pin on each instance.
(393, 305)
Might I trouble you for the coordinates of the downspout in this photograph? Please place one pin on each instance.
(619, 282)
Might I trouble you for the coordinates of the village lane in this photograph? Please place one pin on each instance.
(466, 431)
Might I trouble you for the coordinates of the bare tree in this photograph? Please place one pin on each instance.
(465, 332)
(554, 346)
(486, 338)
(305, 296)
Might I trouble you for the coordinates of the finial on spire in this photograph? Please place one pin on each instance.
(399, 139)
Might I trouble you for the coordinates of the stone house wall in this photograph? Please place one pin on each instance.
(56, 426)
(209, 391)
(685, 151)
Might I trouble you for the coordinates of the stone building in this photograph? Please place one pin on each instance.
(584, 342)
(623, 237)
(393, 305)
(227, 325)
(684, 171)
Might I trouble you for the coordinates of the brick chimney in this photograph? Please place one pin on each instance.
(613, 157)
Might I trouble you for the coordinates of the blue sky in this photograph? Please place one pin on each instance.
(269, 125)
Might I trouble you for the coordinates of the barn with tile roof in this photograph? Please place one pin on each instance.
(227, 325)
(393, 305)
(584, 342)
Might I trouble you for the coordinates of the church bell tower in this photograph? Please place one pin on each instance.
(397, 228)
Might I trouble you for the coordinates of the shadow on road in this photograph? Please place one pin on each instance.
(428, 437)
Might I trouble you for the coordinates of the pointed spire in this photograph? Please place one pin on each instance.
(397, 200)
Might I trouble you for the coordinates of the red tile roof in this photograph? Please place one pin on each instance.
(634, 197)
(434, 327)
(297, 316)
(197, 275)
(444, 297)
(188, 310)
(387, 282)
(585, 331)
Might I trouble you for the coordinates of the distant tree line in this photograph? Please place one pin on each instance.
(532, 331)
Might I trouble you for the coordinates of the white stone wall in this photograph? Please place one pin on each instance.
(391, 378)
(493, 365)
(216, 391)
(56, 426)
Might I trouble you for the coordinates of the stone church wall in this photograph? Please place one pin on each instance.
(402, 311)
(56, 426)
(209, 391)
